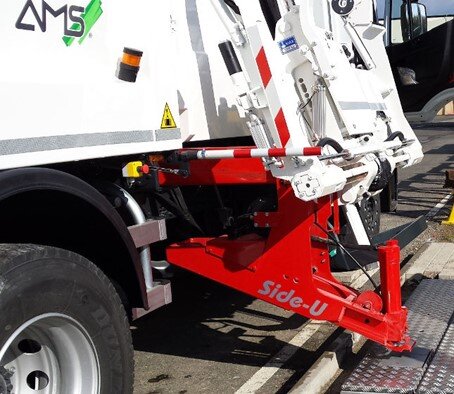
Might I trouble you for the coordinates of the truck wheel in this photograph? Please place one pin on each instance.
(63, 328)
(390, 195)
(370, 211)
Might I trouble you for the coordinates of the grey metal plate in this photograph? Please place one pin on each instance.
(439, 377)
(404, 234)
(430, 311)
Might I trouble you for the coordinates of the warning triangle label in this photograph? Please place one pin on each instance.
(168, 121)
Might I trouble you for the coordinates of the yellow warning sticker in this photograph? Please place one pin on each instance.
(168, 121)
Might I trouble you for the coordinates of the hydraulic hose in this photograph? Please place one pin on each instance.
(332, 143)
(395, 135)
(233, 6)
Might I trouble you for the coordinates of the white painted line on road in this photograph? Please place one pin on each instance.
(437, 208)
(286, 353)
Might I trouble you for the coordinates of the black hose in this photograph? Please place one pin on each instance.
(230, 58)
(332, 143)
(368, 248)
(395, 135)
(233, 6)
(349, 255)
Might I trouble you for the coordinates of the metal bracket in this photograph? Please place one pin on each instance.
(159, 295)
(266, 219)
(148, 233)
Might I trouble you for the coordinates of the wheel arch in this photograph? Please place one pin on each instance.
(77, 217)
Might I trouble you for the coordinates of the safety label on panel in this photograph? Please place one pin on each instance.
(288, 45)
(168, 121)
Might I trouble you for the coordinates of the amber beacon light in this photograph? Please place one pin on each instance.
(129, 65)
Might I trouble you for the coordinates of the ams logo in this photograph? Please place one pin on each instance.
(77, 20)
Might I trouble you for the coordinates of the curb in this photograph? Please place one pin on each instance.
(414, 258)
(432, 261)
(327, 366)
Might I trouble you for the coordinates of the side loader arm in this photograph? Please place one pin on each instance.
(327, 123)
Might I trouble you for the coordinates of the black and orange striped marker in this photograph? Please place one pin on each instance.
(130, 65)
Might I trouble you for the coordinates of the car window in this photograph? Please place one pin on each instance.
(438, 12)
(381, 10)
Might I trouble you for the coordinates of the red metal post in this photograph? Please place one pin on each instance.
(389, 257)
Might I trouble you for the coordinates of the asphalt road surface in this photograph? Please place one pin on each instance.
(421, 186)
(215, 340)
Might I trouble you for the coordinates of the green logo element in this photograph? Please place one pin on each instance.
(91, 15)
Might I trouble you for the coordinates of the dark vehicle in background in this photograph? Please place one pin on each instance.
(420, 45)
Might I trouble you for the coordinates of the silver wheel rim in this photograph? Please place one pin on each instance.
(51, 353)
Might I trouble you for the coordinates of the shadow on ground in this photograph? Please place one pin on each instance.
(204, 321)
(421, 192)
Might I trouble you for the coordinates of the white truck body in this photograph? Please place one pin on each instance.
(61, 100)
(64, 102)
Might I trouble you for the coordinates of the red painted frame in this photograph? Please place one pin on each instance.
(288, 268)
(221, 172)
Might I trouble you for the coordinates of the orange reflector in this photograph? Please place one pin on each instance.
(131, 60)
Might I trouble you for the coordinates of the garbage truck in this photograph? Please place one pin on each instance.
(234, 139)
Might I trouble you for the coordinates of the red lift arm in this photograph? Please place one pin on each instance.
(291, 267)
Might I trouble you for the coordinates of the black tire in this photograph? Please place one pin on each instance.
(370, 211)
(37, 280)
(390, 195)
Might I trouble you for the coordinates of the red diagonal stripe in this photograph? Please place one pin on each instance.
(264, 67)
(282, 128)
